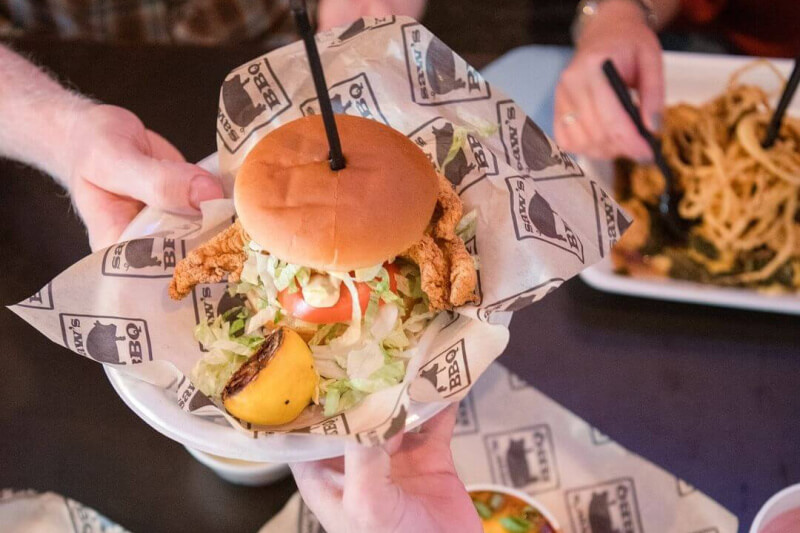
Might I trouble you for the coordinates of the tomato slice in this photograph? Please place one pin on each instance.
(342, 311)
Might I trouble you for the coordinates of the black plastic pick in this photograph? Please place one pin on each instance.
(786, 98)
(668, 201)
(307, 34)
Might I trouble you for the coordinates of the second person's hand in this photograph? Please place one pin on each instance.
(409, 485)
(588, 118)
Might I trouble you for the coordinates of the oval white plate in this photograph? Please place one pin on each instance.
(692, 78)
(159, 409)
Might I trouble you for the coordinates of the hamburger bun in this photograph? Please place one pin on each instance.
(295, 207)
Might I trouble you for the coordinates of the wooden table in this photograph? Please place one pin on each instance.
(709, 394)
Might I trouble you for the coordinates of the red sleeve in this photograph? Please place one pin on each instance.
(701, 11)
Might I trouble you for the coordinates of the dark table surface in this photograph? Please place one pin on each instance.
(709, 394)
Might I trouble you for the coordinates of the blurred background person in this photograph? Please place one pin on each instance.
(199, 22)
(588, 117)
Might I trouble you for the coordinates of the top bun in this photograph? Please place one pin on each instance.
(294, 206)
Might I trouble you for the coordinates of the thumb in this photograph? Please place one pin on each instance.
(170, 185)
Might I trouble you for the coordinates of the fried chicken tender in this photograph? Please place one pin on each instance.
(433, 271)
(223, 255)
(463, 276)
(449, 210)
(447, 271)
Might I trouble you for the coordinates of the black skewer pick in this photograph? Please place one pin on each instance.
(307, 34)
(786, 98)
(668, 201)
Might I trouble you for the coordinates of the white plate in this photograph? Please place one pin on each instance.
(158, 407)
(693, 78)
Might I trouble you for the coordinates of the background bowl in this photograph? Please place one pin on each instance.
(527, 498)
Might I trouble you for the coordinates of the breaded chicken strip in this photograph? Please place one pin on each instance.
(449, 210)
(463, 276)
(433, 271)
(223, 255)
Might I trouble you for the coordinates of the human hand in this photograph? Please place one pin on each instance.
(588, 117)
(115, 166)
(333, 13)
(409, 485)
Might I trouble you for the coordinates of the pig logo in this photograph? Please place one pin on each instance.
(457, 168)
(227, 302)
(139, 254)
(448, 371)
(360, 26)
(599, 517)
(472, 161)
(608, 507)
(612, 222)
(520, 300)
(440, 66)
(397, 425)
(534, 218)
(543, 217)
(238, 104)
(107, 339)
(516, 458)
(212, 300)
(101, 343)
(249, 100)
(353, 96)
(466, 418)
(338, 106)
(523, 458)
(432, 375)
(622, 222)
(528, 149)
(536, 147)
(354, 29)
(436, 74)
(143, 258)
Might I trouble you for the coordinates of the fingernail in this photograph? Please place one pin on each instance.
(203, 187)
(656, 121)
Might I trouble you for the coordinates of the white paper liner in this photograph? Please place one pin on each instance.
(540, 221)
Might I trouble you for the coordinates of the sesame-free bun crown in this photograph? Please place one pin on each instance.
(299, 210)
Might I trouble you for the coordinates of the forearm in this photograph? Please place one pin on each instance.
(36, 116)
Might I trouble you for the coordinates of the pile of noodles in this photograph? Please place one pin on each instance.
(741, 197)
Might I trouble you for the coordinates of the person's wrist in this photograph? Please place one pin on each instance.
(607, 14)
(69, 115)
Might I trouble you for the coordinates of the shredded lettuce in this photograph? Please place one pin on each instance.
(467, 225)
(362, 356)
(228, 345)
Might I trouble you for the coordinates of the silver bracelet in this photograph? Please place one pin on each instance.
(588, 9)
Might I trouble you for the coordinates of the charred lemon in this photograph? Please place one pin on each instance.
(275, 384)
